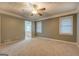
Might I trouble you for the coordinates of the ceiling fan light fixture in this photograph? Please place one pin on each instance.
(34, 12)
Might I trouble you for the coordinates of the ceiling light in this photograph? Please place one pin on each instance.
(34, 12)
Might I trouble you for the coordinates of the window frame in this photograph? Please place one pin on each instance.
(60, 20)
(37, 25)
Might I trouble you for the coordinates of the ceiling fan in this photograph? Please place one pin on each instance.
(37, 11)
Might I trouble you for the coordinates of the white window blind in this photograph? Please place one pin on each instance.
(66, 25)
(39, 27)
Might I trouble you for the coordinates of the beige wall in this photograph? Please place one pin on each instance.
(78, 29)
(51, 30)
(0, 28)
(33, 28)
(12, 28)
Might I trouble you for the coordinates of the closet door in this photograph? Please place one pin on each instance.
(3, 30)
(12, 29)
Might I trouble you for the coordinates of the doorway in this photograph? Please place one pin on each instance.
(28, 30)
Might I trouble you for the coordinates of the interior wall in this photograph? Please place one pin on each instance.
(12, 28)
(78, 29)
(50, 29)
(0, 28)
(33, 28)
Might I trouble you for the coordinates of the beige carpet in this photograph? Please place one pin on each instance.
(40, 47)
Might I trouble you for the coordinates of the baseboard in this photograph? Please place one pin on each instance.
(66, 41)
(59, 40)
(10, 42)
(78, 45)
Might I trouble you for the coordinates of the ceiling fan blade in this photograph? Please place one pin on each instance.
(42, 9)
(37, 14)
(40, 14)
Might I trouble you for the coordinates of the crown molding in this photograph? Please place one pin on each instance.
(53, 16)
(75, 11)
(11, 14)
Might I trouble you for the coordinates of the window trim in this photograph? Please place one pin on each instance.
(60, 20)
(36, 27)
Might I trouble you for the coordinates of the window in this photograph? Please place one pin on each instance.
(66, 25)
(39, 27)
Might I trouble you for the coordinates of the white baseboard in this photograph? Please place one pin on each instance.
(10, 42)
(77, 44)
(66, 41)
(59, 40)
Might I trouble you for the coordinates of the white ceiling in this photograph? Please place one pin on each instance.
(52, 8)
